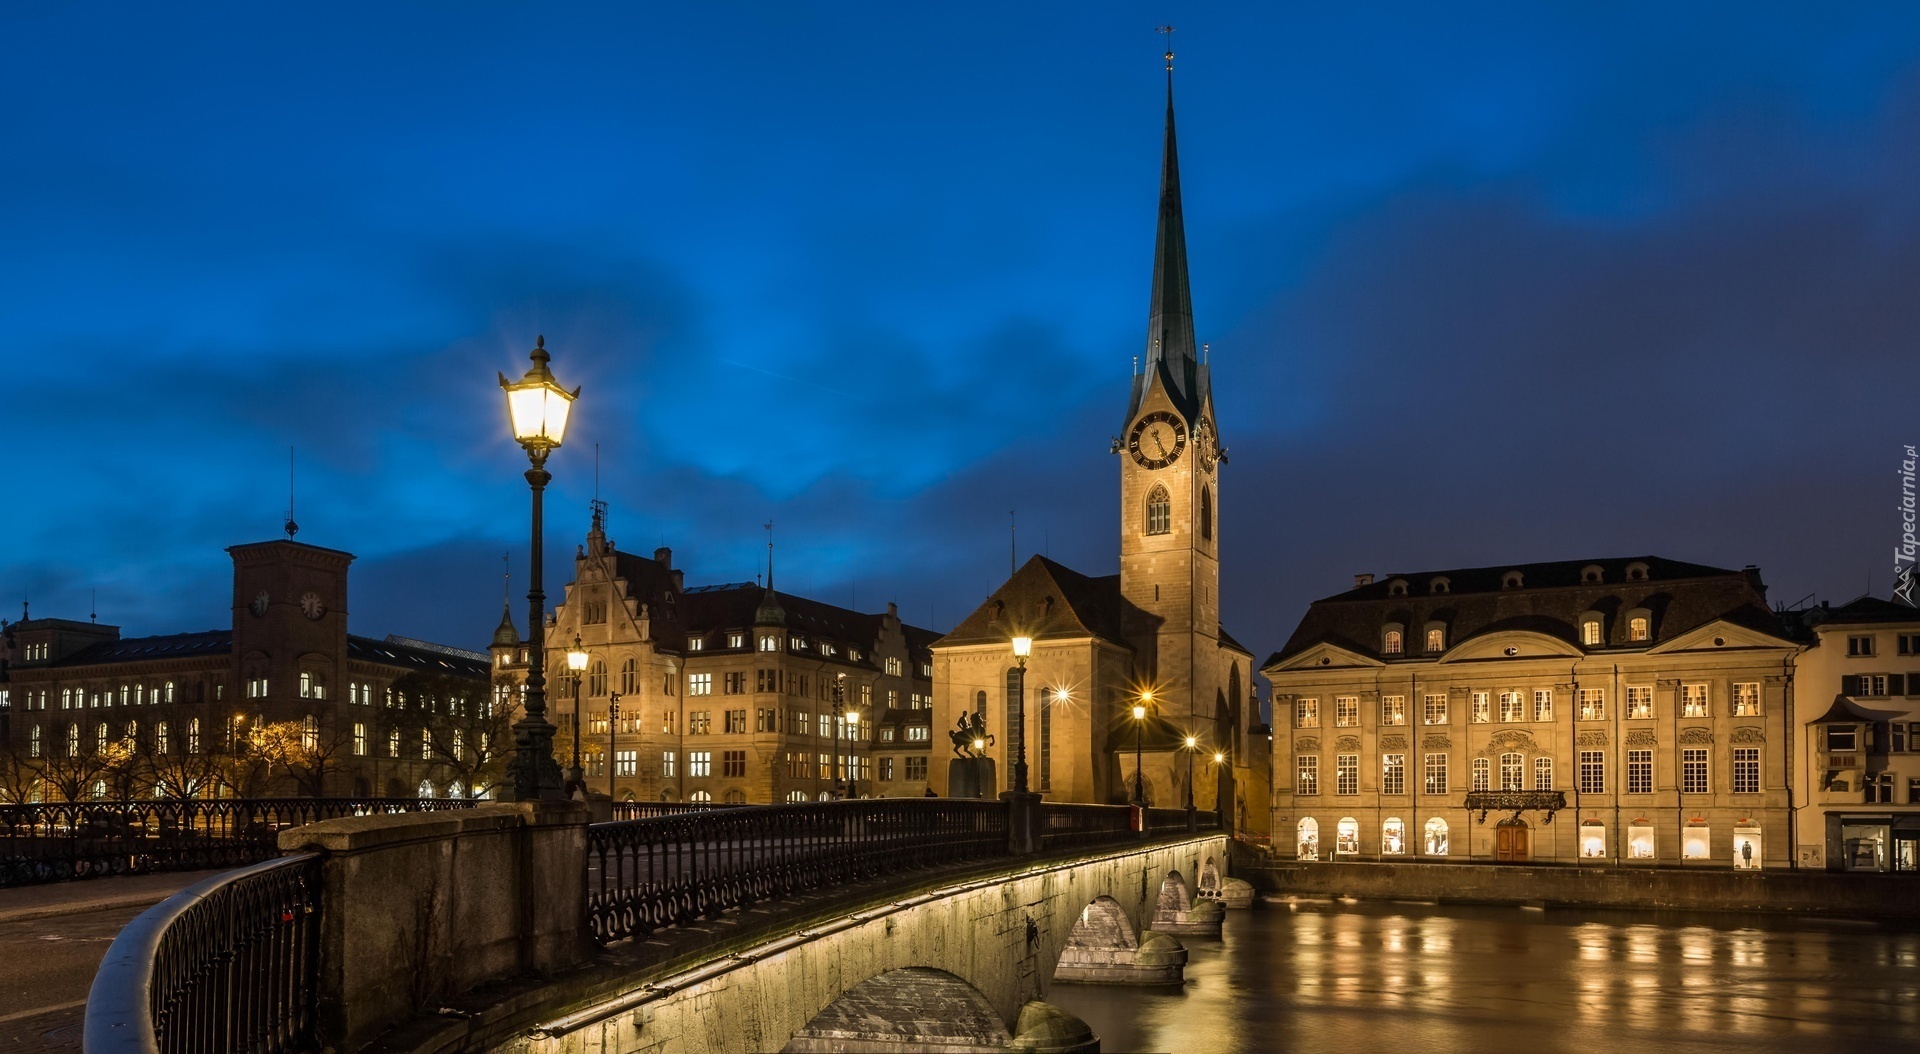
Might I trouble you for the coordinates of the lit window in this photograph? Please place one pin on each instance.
(1543, 774)
(1639, 701)
(700, 684)
(1393, 709)
(1637, 628)
(1590, 632)
(1511, 709)
(1693, 700)
(1436, 709)
(1746, 699)
(696, 644)
(359, 739)
(1482, 708)
(1593, 704)
(1436, 773)
(1346, 711)
(1307, 838)
(1347, 774)
(1513, 772)
(1436, 639)
(1393, 774)
(1347, 836)
(1306, 713)
(1393, 836)
(916, 733)
(1306, 774)
(1436, 837)
(1390, 642)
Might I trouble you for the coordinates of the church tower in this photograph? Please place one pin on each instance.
(1170, 461)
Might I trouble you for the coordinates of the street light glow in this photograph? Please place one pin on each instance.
(1139, 713)
(576, 655)
(537, 406)
(1022, 647)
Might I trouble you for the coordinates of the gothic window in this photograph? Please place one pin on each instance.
(630, 677)
(1159, 511)
(597, 678)
(1206, 513)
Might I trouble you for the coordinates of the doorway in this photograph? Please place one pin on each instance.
(1510, 842)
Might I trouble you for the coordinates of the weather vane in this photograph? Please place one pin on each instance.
(1167, 31)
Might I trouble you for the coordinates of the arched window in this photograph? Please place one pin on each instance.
(73, 740)
(1593, 839)
(980, 703)
(1347, 838)
(1393, 836)
(426, 789)
(1308, 838)
(193, 735)
(161, 743)
(1159, 511)
(33, 741)
(1436, 837)
(455, 790)
(736, 796)
(1592, 629)
(1391, 642)
(796, 796)
(1513, 772)
(700, 796)
(131, 737)
(310, 733)
(1637, 627)
(630, 677)
(597, 678)
(1206, 513)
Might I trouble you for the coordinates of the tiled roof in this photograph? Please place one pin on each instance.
(1550, 599)
(414, 657)
(147, 649)
(1045, 599)
(708, 610)
(1868, 611)
(1846, 711)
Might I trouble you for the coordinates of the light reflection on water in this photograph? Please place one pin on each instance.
(1367, 977)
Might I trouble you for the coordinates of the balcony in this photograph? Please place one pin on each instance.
(1516, 802)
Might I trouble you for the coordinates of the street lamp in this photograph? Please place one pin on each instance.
(1192, 742)
(1139, 728)
(853, 759)
(576, 663)
(537, 408)
(613, 726)
(1022, 648)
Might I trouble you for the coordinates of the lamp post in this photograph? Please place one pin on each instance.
(1022, 649)
(537, 407)
(613, 730)
(576, 664)
(839, 719)
(853, 759)
(1192, 743)
(1139, 728)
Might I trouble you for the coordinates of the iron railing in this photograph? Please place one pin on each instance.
(1516, 802)
(647, 810)
(54, 842)
(647, 874)
(226, 966)
(1072, 826)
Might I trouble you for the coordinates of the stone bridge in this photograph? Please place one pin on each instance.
(888, 925)
(961, 967)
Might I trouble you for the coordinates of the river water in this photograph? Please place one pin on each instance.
(1422, 979)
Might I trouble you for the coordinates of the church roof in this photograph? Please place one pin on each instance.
(1045, 600)
(1678, 596)
(1171, 355)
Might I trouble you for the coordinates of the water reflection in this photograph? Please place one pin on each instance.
(1346, 977)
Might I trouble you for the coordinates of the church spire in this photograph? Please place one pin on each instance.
(1170, 342)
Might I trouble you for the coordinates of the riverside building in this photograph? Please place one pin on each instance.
(1620, 711)
(732, 693)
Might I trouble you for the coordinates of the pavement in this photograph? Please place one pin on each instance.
(52, 939)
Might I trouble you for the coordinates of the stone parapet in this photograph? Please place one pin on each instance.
(418, 907)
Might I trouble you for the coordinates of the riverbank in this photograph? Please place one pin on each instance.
(1844, 895)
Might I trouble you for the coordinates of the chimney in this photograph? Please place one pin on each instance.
(1362, 580)
(893, 610)
(663, 556)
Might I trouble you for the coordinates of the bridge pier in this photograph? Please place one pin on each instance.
(1101, 949)
(1178, 911)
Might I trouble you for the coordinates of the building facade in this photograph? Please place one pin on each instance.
(731, 693)
(1859, 759)
(1625, 711)
(1149, 636)
(286, 701)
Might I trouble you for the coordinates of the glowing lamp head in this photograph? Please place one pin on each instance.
(576, 655)
(853, 717)
(1192, 741)
(1022, 647)
(1218, 758)
(1060, 695)
(979, 744)
(1139, 713)
(537, 406)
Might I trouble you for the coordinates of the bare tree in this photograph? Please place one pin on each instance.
(466, 732)
(304, 752)
(73, 777)
(20, 780)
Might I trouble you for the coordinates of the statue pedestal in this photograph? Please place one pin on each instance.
(972, 778)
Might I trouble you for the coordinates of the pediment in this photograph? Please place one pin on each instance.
(1720, 635)
(1324, 656)
(1510, 644)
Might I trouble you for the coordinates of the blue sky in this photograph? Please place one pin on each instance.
(1483, 285)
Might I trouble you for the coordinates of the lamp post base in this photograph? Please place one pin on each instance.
(1023, 822)
(532, 773)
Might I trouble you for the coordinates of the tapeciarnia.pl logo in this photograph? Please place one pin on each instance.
(1904, 583)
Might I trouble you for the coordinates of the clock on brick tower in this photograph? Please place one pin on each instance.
(1169, 485)
(289, 619)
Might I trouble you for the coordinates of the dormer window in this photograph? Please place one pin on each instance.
(1436, 637)
(1592, 574)
(1510, 580)
(1440, 584)
(696, 644)
(1639, 626)
(1636, 572)
(1391, 641)
(1397, 587)
(1592, 629)
(736, 640)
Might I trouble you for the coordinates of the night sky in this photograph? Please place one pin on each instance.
(1482, 286)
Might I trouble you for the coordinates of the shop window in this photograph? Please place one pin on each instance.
(1347, 837)
(1746, 848)
(1393, 836)
(1436, 837)
(1307, 839)
(1863, 847)
(1695, 841)
(1640, 840)
(1593, 840)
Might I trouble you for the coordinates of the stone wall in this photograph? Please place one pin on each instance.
(1002, 936)
(1816, 892)
(418, 907)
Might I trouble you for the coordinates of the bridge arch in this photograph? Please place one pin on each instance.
(912, 1008)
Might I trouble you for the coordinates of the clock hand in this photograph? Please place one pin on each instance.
(1158, 445)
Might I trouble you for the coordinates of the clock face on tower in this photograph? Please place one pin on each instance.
(311, 606)
(259, 605)
(1157, 440)
(1205, 445)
